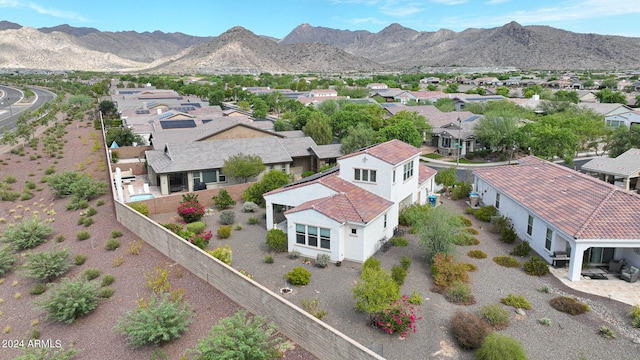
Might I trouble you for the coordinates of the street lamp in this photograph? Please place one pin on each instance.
(458, 143)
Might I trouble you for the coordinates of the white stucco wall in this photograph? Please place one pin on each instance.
(314, 218)
(294, 197)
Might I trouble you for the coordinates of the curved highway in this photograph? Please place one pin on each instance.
(10, 108)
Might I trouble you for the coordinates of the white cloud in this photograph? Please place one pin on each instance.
(449, 2)
(496, 2)
(402, 9)
(367, 20)
(9, 3)
(71, 15)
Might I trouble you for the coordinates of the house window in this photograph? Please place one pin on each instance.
(497, 201)
(209, 176)
(385, 221)
(196, 177)
(394, 176)
(284, 168)
(354, 231)
(446, 142)
(530, 225)
(221, 177)
(547, 241)
(408, 170)
(309, 236)
(364, 175)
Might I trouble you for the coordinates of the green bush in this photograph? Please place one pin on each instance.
(240, 337)
(83, 235)
(569, 305)
(37, 289)
(223, 200)
(250, 206)
(398, 274)
(508, 235)
(307, 173)
(634, 314)
(42, 353)
(116, 234)
(91, 273)
(27, 234)
(222, 253)
(79, 186)
(227, 217)
(507, 261)
(522, 249)
(517, 301)
(90, 211)
(277, 240)
(399, 241)
(272, 180)
(161, 320)
(485, 213)
(498, 346)
(413, 215)
(496, 315)
(106, 292)
(606, 332)
(311, 306)
(107, 280)
(79, 259)
(268, 258)
(7, 258)
(112, 244)
(371, 263)
(415, 298)
(196, 227)
(469, 329)
(60, 238)
(47, 266)
(445, 271)
(459, 293)
(461, 190)
(140, 207)
(536, 267)
(224, 231)
(405, 262)
(463, 238)
(253, 220)
(70, 299)
(500, 222)
(299, 276)
(322, 260)
(477, 254)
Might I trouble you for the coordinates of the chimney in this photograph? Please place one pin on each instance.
(159, 111)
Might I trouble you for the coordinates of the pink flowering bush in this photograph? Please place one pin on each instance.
(399, 317)
(190, 208)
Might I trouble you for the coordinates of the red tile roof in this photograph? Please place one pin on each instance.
(393, 151)
(580, 205)
(425, 173)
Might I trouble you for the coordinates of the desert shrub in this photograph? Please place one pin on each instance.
(60, 238)
(70, 299)
(399, 241)
(10, 179)
(507, 261)
(471, 230)
(371, 263)
(196, 227)
(42, 353)
(277, 240)
(299, 276)
(469, 267)
(116, 234)
(47, 266)
(307, 173)
(634, 314)
(398, 317)
(227, 217)
(250, 206)
(499, 346)
(311, 306)
(107, 280)
(293, 254)
(522, 249)
(190, 209)
(463, 238)
(508, 235)
(405, 262)
(272, 180)
(91, 273)
(240, 337)
(140, 207)
(322, 260)
(496, 315)
(83, 235)
(78, 186)
(606, 332)
(224, 231)
(37, 289)
(517, 301)
(415, 298)
(569, 305)
(465, 221)
(79, 259)
(268, 258)
(459, 293)
(413, 215)
(7, 258)
(461, 190)
(112, 244)
(223, 200)
(469, 329)
(445, 271)
(90, 211)
(106, 292)
(545, 321)
(77, 204)
(536, 266)
(500, 222)
(27, 234)
(100, 202)
(159, 321)
(237, 227)
(398, 274)
(253, 220)
(477, 254)
(485, 213)
(222, 253)
(86, 221)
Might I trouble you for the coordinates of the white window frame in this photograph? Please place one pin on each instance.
(497, 200)
(321, 236)
(530, 225)
(407, 172)
(360, 175)
(548, 240)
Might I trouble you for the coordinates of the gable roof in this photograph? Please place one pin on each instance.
(625, 164)
(425, 173)
(393, 152)
(578, 204)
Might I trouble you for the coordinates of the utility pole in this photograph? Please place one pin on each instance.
(458, 143)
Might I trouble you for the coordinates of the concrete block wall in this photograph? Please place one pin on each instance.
(312, 334)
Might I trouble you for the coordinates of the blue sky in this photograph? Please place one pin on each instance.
(278, 17)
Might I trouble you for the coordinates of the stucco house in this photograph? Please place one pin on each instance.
(349, 211)
(559, 209)
(622, 171)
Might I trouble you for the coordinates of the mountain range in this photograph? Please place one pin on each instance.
(312, 49)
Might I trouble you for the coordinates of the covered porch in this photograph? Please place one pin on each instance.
(586, 254)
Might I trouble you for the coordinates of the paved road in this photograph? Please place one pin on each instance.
(10, 109)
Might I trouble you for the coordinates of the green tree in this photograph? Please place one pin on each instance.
(420, 122)
(318, 127)
(611, 83)
(80, 100)
(9, 137)
(622, 139)
(241, 337)
(328, 107)
(108, 108)
(272, 180)
(445, 105)
(564, 95)
(358, 137)
(548, 140)
(404, 130)
(532, 90)
(438, 231)
(500, 133)
(502, 90)
(446, 177)
(123, 137)
(451, 88)
(242, 167)
(375, 290)
(608, 96)
(351, 115)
